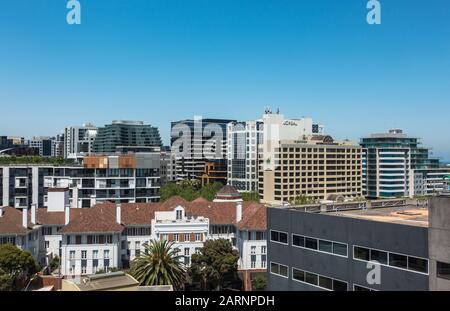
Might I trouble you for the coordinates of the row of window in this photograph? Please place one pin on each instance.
(325, 246)
(390, 259)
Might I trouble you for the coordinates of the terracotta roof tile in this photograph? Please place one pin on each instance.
(11, 221)
(49, 218)
(99, 218)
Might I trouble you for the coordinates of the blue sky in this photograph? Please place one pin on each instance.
(163, 60)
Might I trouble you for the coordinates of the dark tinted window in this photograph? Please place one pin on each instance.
(418, 264)
(326, 282)
(379, 256)
(398, 261)
(361, 253)
(339, 286)
(443, 270)
(340, 249)
(310, 243)
(358, 288)
(283, 238)
(298, 240)
(325, 246)
(311, 278)
(298, 275)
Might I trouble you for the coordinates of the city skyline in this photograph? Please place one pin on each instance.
(161, 62)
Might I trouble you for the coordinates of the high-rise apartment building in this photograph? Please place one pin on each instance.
(78, 140)
(123, 178)
(125, 136)
(396, 165)
(242, 154)
(197, 141)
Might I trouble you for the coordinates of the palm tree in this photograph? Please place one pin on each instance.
(160, 264)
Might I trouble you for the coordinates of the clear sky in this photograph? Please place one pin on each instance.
(163, 60)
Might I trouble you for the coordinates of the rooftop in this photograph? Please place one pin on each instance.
(410, 215)
(397, 211)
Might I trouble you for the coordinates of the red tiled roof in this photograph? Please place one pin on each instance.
(11, 221)
(99, 218)
(49, 218)
(134, 214)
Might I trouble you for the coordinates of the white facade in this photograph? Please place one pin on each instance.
(78, 140)
(242, 154)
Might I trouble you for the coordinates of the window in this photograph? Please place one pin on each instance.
(298, 240)
(78, 239)
(176, 237)
(326, 282)
(311, 278)
(198, 237)
(263, 261)
(179, 214)
(325, 246)
(186, 237)
(95, 254)
(47, 244)
(277, 236)
(253, 249)
(253, 261)
(443, 270)
(197, 250)
(398, 261)
(379, 256)
(83, 266)
(311, 243)
(83, 254)
(298, 275)
(359, 288)
(186, 251)
(418, 264)
(318, 280)
(340, 249)
(339, 286)
(386, 258)
(109, 239)
(278, 269)
(106, 253)
(361, 253)
(72, 254)
(165, 236)
(263, 249)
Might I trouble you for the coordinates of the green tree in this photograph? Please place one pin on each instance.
(302, 199)
(260, 282)
(6, 281)
(250, 196)
(17, 266)
(209, 191)
(159, 264)
(54, 264)
(215, 265)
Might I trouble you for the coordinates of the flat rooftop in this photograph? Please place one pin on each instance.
(399, 211)
(410, 215)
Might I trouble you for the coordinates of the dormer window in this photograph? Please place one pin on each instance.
(179, 214)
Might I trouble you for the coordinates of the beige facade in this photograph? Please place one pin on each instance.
(316, 167)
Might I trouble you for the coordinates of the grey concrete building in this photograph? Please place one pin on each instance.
(439, 243)
(378, 245)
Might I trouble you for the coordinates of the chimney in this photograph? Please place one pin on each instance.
(67, 214)
(33, 214)
(119, 213)
(25, 217)
(238, 211)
